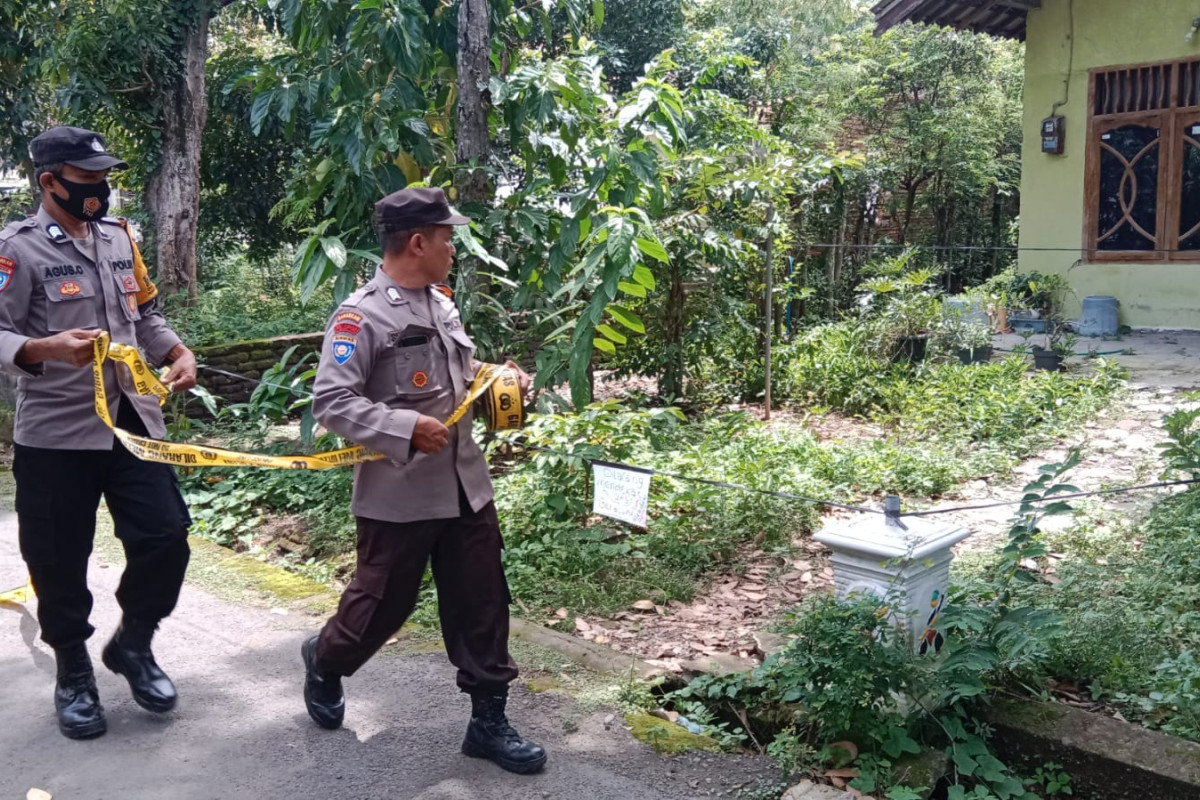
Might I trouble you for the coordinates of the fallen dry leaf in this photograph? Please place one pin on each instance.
(581, 625)
(757, 597)
(561, 613)
(392, 640)
(601, 640)
(844, 772)
(38, 794)
(644, 605)
(838, 782)
(806, 577)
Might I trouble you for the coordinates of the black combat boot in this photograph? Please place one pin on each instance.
(322, 692)
(128, 654)
(490, 736)
(80, 715)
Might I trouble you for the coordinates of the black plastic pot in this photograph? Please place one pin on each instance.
(975, 355)
(911, 349)
(1047, 360)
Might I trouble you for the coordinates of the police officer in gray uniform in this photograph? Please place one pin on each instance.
(67, 273)
(395, 362)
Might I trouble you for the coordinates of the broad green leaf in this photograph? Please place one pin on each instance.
(612, 333)
(654, 250)
(334, 250)
(644, 276)
(605, 345)
(635, 289)
(620, 241)
(627, 318)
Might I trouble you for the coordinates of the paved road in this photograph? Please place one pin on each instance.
(241, 731)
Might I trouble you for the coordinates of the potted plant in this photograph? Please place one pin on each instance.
(1034, 298)
(1060, 345)
(971, 341)
(903, 309)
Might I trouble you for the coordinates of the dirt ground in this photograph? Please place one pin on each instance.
(726, 621)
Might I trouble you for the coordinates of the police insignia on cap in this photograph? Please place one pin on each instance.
(91, 205)
(99, 148)
(420, 380)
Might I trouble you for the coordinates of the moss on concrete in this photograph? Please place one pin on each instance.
(666, 737)
(257, 575)
(544, 684)
(1041, 718)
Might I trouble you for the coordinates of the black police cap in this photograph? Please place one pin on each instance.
(78, 147)
(415, 208)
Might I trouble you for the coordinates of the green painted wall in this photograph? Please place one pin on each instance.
(1107, 33)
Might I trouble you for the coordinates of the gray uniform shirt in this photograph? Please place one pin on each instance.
(49, 283)
(386, 360)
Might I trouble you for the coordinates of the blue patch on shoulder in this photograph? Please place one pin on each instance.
(343, 351)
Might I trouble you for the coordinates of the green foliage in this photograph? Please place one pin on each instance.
(1129, 597)
(831, 680)
(844, 676)
(1182, 452)
(243, 300)
(243, 172)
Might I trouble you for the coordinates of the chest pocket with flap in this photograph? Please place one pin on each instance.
(127, 289)
(420, 356)
(70, 303)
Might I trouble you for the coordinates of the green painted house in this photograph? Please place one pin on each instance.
(1110, 189)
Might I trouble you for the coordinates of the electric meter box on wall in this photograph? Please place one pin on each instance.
(1054, 130)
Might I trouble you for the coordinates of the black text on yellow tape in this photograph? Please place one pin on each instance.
(191, 455)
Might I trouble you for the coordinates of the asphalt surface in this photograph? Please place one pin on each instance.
(241, 731)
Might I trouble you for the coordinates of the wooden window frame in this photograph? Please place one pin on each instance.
(1171, 121)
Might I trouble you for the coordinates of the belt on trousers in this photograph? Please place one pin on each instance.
(502, 405)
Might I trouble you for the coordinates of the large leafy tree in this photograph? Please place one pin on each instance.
(136, 71)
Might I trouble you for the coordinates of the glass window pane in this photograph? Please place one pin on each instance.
(1189, 186)
(1128, 212)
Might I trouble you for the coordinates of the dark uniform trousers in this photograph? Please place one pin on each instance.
(58, 493)
(472, 595)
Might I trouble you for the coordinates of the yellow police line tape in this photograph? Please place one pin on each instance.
(19, 595)
(505, 412)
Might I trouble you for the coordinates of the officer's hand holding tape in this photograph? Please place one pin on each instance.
(72, 347)
(429, 435)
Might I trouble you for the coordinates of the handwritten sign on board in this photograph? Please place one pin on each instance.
(621, 492)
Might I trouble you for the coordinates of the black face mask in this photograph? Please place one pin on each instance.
(84, 201)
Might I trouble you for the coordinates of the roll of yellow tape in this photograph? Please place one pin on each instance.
(503, 409)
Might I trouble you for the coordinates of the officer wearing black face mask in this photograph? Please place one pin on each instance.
(67, 273)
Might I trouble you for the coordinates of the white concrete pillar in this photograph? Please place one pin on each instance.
(904, 561)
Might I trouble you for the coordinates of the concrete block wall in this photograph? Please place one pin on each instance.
(250, 359)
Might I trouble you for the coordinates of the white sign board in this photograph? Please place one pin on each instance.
(621, 492)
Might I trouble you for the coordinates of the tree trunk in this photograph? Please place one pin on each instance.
(671, 384)
(173, 188)
(474, 102)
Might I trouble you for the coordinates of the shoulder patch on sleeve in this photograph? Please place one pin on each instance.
(7, 267)
(444, 289)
